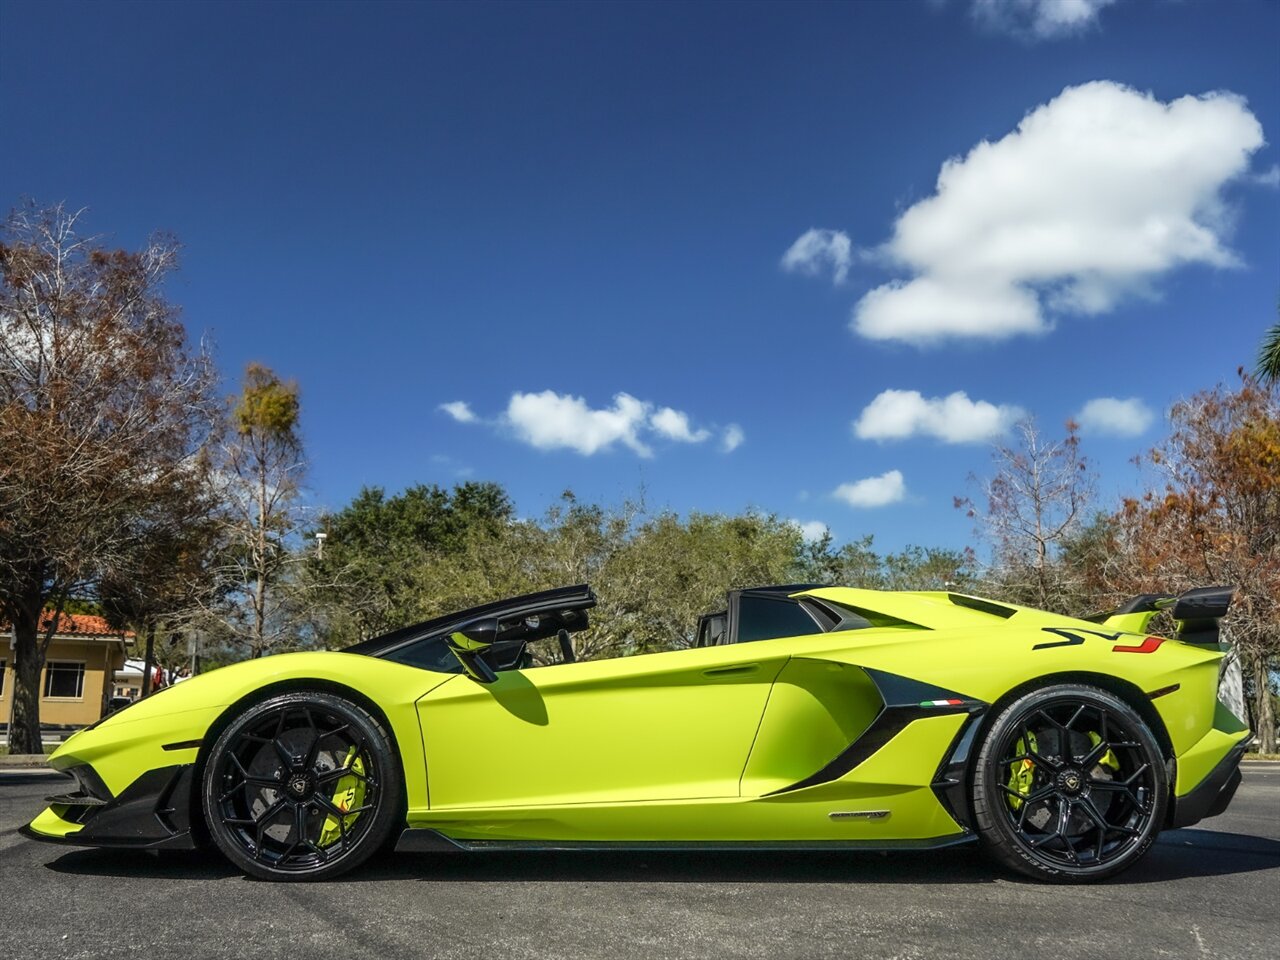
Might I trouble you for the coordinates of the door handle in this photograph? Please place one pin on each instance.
(736, 669)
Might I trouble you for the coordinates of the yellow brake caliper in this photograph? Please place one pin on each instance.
(1022, 772)
(1108, 759)
(348, 794)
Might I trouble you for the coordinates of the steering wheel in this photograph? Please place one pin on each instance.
(566, 647)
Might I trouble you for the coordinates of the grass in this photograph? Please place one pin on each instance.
(1262, 756)
(48, 749)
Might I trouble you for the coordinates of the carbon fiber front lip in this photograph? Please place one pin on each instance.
(178, 841)
(152, 812)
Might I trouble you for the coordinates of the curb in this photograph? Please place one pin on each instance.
(24, 761)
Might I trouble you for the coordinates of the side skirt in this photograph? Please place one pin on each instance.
(425, 840)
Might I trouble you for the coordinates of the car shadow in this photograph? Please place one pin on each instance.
(1178, 854)
(1202, 853)
(143, 864)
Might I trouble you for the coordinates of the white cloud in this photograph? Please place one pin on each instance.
(816, 250)
(898, 414)
(873, 491)
(811, 531)
(732, 438)
(674, 425)
(1094, 196)
(1038, 19)
(459, 469)
(1117, 418)
(1269, 177)
(551, 421)
(554, 421)
(460, 410)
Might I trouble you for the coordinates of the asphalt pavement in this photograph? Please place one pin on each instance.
(1210, 891)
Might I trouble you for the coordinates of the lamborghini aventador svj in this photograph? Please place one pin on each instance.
(802, 717)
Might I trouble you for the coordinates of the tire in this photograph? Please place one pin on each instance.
(1069, 786)
(302, 786)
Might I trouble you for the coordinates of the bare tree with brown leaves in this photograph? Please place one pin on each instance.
(1030, 508)
(166, 578)
(103, 409)
(1213, 517)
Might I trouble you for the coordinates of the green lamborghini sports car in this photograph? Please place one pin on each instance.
(803, 717)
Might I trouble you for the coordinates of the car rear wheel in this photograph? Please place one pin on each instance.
(301, 786)
(1070, 785)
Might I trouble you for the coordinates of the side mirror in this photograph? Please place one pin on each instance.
(469, 641)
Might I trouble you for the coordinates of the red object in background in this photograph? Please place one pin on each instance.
(157, 679)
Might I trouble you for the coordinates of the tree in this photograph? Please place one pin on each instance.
(103, 408)
(930, 568)
(368, 578)
(166, 576)
(672, 570)
(427, 552)
(1269, 357)
(1034, 503)
(856, 564)
(261, 469)
(1213, 517)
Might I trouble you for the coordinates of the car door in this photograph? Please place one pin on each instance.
(665, 726)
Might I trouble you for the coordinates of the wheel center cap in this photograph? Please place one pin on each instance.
(298, 785)
(1071, 781)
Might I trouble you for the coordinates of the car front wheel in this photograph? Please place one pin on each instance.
(301, 786)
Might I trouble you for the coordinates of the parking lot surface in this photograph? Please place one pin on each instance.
(1210, 891)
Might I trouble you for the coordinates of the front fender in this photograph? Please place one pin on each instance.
(173, 725)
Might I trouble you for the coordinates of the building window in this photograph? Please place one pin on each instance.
(64, 679)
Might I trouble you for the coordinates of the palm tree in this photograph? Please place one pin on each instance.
(1269, 357)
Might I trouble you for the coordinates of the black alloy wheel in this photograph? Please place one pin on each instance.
(1070, 785)
(301, 786)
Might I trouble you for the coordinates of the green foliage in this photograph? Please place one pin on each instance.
(428, 517)
(672, 570)
(82, 605)
(1269, 357)
(380, 554)
(393, 560)
(266, 405)
(856, 564)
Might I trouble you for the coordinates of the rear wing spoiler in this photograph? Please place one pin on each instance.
(1197, 613)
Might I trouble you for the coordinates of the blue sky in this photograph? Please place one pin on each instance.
(532, 209)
